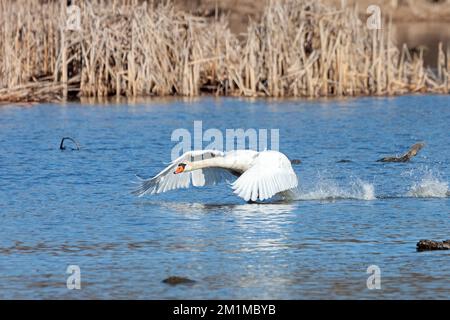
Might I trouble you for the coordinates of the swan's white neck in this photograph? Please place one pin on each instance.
(208, 163)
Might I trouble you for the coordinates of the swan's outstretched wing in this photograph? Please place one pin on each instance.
(166, 180)
(270, 173)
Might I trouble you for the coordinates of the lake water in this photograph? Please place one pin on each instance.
(61, 208)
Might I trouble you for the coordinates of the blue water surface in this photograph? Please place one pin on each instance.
(61, 208)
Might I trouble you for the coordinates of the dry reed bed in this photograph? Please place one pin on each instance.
(125, 48)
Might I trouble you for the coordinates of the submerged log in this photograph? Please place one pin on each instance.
(344, 161)
(426, 245)
(174, 280)
(412, 152)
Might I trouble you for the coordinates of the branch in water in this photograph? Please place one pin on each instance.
(425, 245)
(412, 152)
(62, 147)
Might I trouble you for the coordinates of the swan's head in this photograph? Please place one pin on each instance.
(183, 167)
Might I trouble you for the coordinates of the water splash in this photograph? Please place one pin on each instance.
(330, 190)
(429, 186)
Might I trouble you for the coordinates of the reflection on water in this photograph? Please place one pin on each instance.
(241, 210)
(60, 208)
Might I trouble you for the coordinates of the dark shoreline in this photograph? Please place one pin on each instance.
(146, 99)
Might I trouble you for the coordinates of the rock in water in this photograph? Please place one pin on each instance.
(412, 152)
(174, 280)
(426, 245)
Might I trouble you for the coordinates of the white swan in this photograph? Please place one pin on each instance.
(261, 175)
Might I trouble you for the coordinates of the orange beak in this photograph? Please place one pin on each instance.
(180, 169)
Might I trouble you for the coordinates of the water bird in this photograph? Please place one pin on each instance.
(260, 175)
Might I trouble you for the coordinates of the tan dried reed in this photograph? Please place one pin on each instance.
(299, 48)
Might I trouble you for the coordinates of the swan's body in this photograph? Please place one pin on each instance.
(261, 175)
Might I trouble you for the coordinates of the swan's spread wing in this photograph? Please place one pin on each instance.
(270, 173)
(166, 180)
